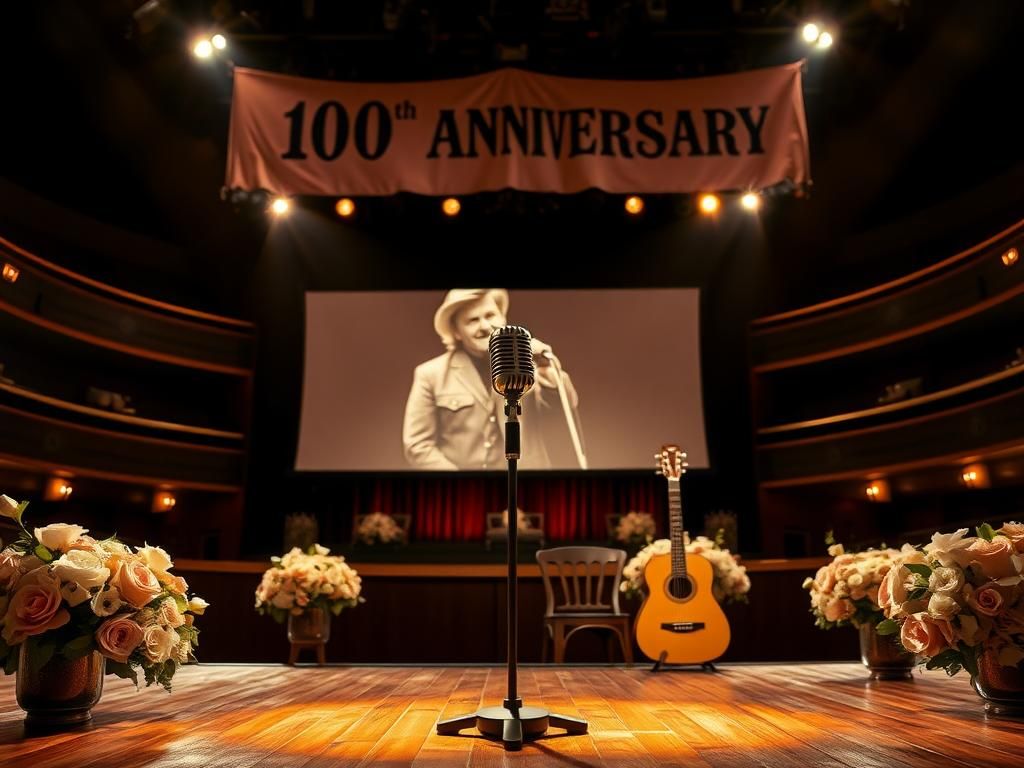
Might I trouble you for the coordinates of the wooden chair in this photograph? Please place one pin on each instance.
(497, 529)
(582, 589)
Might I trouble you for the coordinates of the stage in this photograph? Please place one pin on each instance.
(746, 715)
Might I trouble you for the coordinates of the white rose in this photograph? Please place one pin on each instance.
(112, 547)
(59, 535)
(942, 607)
(156, 558)
(9, 508)
(158, 642)
(81, 567)
(74, 594)
(197, 605)
(946, 581)
(107, 601)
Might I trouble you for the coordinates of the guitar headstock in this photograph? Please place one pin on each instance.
(671, 462)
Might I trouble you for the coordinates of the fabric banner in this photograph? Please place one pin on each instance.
(512, 128)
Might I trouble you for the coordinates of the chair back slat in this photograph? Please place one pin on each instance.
(589, 578)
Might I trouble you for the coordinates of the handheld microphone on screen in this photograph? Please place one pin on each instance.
(512, 368)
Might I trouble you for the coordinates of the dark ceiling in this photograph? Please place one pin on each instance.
(107, 112)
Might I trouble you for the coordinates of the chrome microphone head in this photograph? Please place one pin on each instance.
(512, 368)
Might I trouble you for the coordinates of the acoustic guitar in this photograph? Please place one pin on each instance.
(680, 622)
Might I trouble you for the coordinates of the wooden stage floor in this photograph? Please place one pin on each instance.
(746, 715)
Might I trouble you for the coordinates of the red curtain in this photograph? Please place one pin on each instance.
(455, 508)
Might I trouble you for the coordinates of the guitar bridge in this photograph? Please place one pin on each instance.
(682, 627)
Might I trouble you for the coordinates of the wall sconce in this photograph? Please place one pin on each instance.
(163, 501)
(975, 476)
(58, 489)
(10, 272)
(878, 490)
(1010, 257)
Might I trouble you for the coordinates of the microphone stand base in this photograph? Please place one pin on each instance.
(512, 726)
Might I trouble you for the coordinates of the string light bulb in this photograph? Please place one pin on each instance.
(709, 203)
(280, 206)
(345, 207)
(451, 206)
(634, 205)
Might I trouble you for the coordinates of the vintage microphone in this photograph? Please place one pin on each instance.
(512, 375)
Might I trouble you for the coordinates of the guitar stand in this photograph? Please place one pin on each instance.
(512, 722)
(706, 666)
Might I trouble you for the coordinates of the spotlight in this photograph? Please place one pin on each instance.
(219, 42)
(709, 204)
(810, 32)
(11, 272)
(163, 501)
(451, 206)
(280, 206)
(634, 205)
(825, 40)
(203, 49)
(975, 476)
(751, 201)
(345, 207)
(1009, 259)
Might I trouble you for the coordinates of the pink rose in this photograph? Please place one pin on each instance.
(924, 635)
(825, 578)
(10, 571)
(118, 637)
(992, 557)
(988, 601)
(838, 609)
(34, 608)
(1015, 533)
(136, 583)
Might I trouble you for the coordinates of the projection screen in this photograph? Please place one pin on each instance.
(618, 377)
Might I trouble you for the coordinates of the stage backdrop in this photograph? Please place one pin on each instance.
(633, 357)
(517, 129)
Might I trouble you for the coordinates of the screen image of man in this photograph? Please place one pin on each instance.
(454, 419)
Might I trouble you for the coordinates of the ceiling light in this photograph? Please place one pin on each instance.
(203, 49)
(219, 42)
(825, 40)
(810, 32)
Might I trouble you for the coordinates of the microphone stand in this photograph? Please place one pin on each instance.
(512, 722)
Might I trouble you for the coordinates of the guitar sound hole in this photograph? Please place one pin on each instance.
(680, 587)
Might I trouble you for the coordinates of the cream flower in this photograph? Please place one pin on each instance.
(9, 508)
(59, 536)
(946, 581)
(156, 558)
(74, 593)
(197, 605)
(82, 567)
(168, 614)
(943, 545)
(107, 601)
(942, 606)
(158, 642)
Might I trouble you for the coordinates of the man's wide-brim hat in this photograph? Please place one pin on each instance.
(456, 299)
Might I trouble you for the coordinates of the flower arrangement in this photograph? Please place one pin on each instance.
(731, 581)
(63, 592)
(959, 597)
(299, 581)
(522, 521)
(635, 529)
(845, 591)
(379, 528)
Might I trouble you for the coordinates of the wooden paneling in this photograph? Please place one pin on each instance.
(452, 619)
(763, 715)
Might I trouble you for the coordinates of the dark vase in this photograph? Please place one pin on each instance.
(311, 626)
(884, 657)
(1002, 688)
(62, 693)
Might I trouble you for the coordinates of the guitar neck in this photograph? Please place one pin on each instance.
(675, 520)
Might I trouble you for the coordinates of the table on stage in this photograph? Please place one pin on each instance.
(745, 715)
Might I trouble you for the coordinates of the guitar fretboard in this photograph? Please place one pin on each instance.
(675, 520)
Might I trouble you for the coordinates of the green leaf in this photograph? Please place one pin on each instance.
(124, 671)
(970, 658)
(918, 593)
(79, 647)
(39, 653)
(336, 608)
(986, 532)
(919, 569)
(43, 554)
(830, 539)
(887, 627)
(950, 660)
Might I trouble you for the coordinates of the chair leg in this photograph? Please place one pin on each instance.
(293, 654)
(627, 645)
(544, 640)
(559, 643)
(321, 654)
